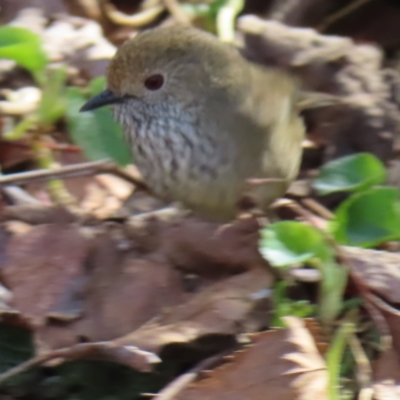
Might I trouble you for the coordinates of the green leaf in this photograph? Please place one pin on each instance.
(53, 105)
(216, 5)
(356, 172)
(289, 242)
(112, 137)
(82, 126)
(97, 85)
(368, 218)
(96, 132)
(24, 47)
(284, 306)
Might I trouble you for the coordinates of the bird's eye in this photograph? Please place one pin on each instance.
(154, 82)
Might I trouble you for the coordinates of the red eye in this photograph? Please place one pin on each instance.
(154, 82)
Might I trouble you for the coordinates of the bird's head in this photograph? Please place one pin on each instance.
(166, 65)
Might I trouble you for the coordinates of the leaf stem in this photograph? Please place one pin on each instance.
(44, 157)
(334, 357)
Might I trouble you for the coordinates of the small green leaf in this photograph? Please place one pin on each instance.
(284, 306)
(356, 172)
(289, 242)
(52, 106)
(96, 132)
(24, 47)
(368, 218)
(19, 130)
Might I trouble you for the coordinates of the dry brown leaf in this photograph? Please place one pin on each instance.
(125, 296)
(41, 265)
(379, 270)
(387, 376)
(123, 292)
(123, 289)
(282, 364)
(392, 320)
(212, 249)
(229, 307)
(317, 333)
(14, 153)
(386, 369)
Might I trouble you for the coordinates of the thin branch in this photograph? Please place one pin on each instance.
(71, 171)
(318, 208)
(131, 356)
(33, 362)
(137, 20)
(342, 13)
(364, 368)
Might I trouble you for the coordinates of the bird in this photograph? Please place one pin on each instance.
(207, 128)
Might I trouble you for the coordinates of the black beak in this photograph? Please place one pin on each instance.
(104, 98)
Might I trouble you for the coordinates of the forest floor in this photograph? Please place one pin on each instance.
(107, 293)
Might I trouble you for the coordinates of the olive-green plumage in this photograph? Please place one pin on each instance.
(202, 120)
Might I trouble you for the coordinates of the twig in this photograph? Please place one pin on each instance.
(137, 20)
(177, 12)
(176, 386)
(63, 147)
(364, 369)
(167, 214)
(318, 208)
(33, 362)
(343, 12)
(226, 19)
(17, 195)
(264, 181)
(71, 171)
(131, 356)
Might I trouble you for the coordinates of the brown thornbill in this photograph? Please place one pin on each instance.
(201, 120)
